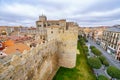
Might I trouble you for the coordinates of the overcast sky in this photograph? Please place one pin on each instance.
(84, 12)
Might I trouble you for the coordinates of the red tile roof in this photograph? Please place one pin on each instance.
(18, 47)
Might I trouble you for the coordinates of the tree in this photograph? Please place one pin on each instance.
(113, 72)
(92, 47)
(82, 42)
(102, 77)
(85, 39)
(94, 62)
(102, 58)
(86, 49)
(96, 52)
(104, 61)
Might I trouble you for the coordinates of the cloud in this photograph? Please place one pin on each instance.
(86, 12)
(18, 9)
(97, 18)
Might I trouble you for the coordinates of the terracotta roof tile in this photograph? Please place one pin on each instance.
(18, 47)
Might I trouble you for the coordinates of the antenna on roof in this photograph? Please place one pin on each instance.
(42, 12)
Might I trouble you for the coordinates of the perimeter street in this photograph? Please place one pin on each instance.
(109, 57)
(100, 71)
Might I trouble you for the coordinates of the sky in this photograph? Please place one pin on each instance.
(87, 13)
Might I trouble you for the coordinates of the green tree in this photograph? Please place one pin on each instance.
(102, 77)
(102, 58)
(104, 61)
(113, 72)
(92, 47)
(86, 49)
(96, 52)
(94, 62)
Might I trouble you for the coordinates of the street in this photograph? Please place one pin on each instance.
(100, 71)
(109, 57)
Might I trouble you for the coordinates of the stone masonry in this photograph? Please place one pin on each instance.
(43, 61)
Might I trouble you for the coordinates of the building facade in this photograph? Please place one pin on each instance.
(110, 40)
(117, 56)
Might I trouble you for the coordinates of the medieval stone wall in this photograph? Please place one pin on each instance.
(43, 61)
(40, 63)
(67, 45)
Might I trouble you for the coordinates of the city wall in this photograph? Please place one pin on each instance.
(40, 63)
(43, 61)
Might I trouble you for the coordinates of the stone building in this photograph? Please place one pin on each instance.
(60, 30)
(94, 33)
(43, 23)
(117, 56)
(110, 40)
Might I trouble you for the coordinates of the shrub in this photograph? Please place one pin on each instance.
(113, 72)
(106, 63)
(96, 52)
(86, 49)
(102, 77)
(85, 39)
(102, 58)
(82, 42)
(92, 47)
(94, 62)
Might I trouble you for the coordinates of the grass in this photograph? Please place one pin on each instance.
(82, 71)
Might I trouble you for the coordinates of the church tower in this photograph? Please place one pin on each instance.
(42, 18)
(41, 23)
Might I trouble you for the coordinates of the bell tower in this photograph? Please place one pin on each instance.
(42, 18)
(42, 22)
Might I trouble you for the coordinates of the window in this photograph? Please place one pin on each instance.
(57, 24)
(51, 31)
(39, 25)
(44, 25)
(48, 24)
(114, 47)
